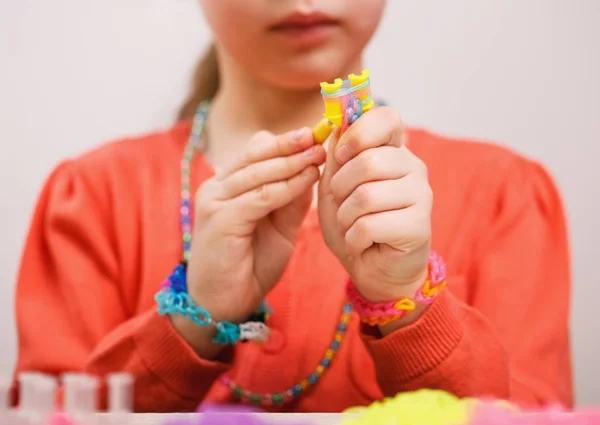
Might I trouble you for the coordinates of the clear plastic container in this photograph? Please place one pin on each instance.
(81, 394)
(120, 393)
(46, 395)
(37, 397)
(28, 391)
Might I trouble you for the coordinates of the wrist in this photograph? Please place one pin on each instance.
(401, 305)
(198, 338)
(200, 324)
(409, 319)
(378, 292)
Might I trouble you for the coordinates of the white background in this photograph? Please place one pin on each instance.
(75, 73)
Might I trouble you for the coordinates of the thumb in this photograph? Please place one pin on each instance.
(328, 207)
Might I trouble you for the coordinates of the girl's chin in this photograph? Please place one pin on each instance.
(309, 73)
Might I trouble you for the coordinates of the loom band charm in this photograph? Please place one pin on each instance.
(254, 331)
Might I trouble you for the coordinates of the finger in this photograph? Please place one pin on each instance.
(288, 219)
(264, 145)
(331, 166)
(380, 127)
(260, 202)
(258, 174)
(405, 228)
(381, 196)
(383, 163)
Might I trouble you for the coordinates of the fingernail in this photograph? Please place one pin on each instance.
(297, 135)
(309, 152)
(342, 155)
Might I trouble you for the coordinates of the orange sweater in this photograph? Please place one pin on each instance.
(105, 233)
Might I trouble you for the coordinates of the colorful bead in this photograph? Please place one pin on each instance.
(296, 390)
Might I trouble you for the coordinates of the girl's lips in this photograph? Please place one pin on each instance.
(305, 29)
(299, 20)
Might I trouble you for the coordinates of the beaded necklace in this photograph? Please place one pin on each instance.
(196, 143)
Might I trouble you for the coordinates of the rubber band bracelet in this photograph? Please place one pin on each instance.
(173, 298)
(381, 313)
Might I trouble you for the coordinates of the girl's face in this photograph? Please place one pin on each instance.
(294, 44)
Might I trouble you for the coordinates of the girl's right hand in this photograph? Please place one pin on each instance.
(247, 219)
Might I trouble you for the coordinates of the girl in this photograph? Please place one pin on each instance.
(111, 224)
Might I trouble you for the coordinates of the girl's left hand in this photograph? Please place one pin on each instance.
(375, 207)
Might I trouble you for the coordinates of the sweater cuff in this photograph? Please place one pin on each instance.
(418, 348)
(170, 358)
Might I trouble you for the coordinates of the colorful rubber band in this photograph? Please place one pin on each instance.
(173, 298)
(346, 100)
(381, 313)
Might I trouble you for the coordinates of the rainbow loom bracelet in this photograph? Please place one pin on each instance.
(381, 313)
(173, 298)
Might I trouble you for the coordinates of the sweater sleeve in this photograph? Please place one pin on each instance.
(511, 340)
(71, 313)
